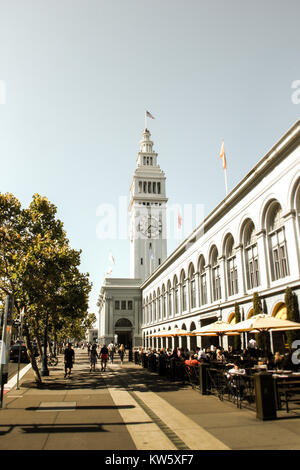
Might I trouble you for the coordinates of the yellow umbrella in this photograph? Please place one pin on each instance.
(218, 328)
(158, 334)
(264, 322)
(172, 332)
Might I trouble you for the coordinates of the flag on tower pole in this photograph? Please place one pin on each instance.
(147, 114)
(109, 272)
(223, 157)
(111, 258)
(179, 220)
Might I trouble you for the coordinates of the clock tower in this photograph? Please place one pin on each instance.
(147, 208)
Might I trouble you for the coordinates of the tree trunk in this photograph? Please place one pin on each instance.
(31, 355)
(39, 346)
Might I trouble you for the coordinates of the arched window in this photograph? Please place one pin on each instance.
(251, 256)
(123, 323)
(154, 307)
(169, 295)
(149, 187)
(202, 282)
(145, 187)
(297, 207)
(231, 268)
(183, 291)
(215, 273)
(147, 310)
(150, 309)
(192, 286)
(144, 311)
(158, 304)
(176, 295)
(163, 295)
(158, 188)
(277, 243)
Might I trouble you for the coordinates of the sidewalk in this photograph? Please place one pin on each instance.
(129, 408)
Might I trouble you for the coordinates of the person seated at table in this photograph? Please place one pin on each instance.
(236, 369)
(220, 356)
(192, 361)
(202, 355)
(235, 382)
(278, 360)
(287, 363)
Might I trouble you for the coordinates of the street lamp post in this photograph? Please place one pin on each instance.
(20, 345)
(45, 370)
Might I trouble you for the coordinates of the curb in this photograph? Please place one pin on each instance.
(13, 381)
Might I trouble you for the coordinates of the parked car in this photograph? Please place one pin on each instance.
(14, 353)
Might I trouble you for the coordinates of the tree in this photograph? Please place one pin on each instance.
(290, 300)
(237, 338)
(257, 309)
(40, 269)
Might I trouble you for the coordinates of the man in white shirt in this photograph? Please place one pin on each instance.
(252, 343)
(111, 352)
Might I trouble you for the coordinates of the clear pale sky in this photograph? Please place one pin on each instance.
(79, 75)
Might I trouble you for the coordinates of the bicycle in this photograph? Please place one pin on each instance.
(52, 360)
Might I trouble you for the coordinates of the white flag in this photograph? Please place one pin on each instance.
(111, 258)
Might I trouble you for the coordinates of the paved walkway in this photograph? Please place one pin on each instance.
(129, 408)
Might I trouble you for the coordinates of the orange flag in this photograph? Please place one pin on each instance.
(179, 220)
(222, 155)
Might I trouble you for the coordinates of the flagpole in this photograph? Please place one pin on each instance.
(145, 119)
(226, 182)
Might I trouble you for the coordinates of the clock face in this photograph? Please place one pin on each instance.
(150, 226)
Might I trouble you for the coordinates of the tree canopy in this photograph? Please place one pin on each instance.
(41, 270)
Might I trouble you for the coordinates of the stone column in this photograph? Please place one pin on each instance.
(223, 276)
(240, 269)
(208, 283)
(262, 259)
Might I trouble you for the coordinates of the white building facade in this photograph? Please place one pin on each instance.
(249, 243)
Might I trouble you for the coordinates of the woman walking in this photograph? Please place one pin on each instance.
(104, 357)
(121, 352)
(93, 358)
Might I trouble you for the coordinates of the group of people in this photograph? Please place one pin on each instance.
(106, 352)
(246, 358)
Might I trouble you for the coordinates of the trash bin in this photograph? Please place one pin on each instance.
(265, 396)
(203, 378)
(161, 365)
(136, 357)
(144, 360)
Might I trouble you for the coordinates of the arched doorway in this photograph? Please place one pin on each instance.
(123, 328)
(184, 338)
(193, 339)
(231, 321)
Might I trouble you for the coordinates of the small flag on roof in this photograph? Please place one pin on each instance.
(149, 115)
(223, 156)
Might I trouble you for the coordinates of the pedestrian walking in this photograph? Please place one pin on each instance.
(121, 352)
(93, 358)
(111, 352)
(104, 357)
(69, 358)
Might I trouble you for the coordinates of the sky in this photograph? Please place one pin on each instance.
(76, 77)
